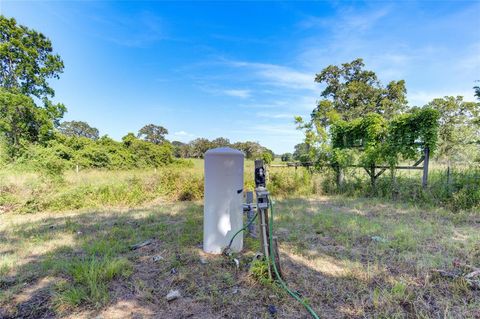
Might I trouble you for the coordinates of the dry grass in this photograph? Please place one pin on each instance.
(349, 258)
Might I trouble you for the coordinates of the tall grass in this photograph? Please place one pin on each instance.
(457, 189)
(31, 192)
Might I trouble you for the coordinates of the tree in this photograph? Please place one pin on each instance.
(350, 93)
(21, 121)
(147, 154)
(199, 146)
(153, 133)
(221, 142)
(79, 128)
(301, 151)
(287, 157)
(180, 149)
(459, 129)
(26, 60)
(251, 149)
(267, 158)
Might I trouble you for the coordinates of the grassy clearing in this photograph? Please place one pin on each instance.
(348, 257)
(31, 193)
(93, 189)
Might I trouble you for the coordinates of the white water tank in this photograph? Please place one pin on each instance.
(223, 206)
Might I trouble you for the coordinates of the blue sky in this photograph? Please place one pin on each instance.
(242, 70)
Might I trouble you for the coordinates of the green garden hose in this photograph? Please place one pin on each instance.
(238, 232)
(279, 279)
(272, 256)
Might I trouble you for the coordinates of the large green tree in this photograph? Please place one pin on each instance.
(79, 128)
(252, 149)
(153, 133)
(301, 153)
(286, 157)
(459, 129)
(350, 92)
(27, 62)
(220, 142)
(199, 146)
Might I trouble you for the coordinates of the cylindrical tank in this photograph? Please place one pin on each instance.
(223, 207)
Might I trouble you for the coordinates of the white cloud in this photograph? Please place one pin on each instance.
(275, 115)
(237, 93)
(278, 129)
(215, 90)
(181, 133)
(420, 98)
(346, 20)
(278, 75)
(182, 136)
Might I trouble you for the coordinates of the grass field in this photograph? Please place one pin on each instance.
(349, 258)
(66, 251)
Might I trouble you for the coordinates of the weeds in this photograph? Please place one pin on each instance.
(259, 271)
(89, 280)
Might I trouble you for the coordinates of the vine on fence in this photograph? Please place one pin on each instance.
(373, 140)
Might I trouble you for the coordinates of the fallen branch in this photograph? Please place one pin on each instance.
(142, 244)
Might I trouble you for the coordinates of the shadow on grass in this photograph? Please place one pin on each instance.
(328, 256)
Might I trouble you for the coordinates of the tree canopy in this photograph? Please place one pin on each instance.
(153, 133)
(359, 119)
(79, 128)
(27, 60)
(286, 157)
(352, 91)
(459, 127)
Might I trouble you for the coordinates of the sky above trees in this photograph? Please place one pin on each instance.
(243, 70)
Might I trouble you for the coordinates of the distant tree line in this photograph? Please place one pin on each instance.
(198, 147)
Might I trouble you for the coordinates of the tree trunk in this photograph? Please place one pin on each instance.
(425, 167)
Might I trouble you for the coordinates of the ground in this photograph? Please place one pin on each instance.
(349, 258)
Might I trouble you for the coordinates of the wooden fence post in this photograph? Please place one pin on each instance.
(425, 167)
(394, 184)
(373, 178)
(339, 172)
(449, 178)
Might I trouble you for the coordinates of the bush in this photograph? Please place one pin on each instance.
(65, 152)
(49, 161)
